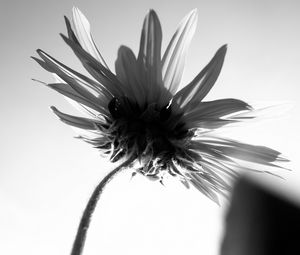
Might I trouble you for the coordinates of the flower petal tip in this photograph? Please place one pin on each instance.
(152, 16)
(224, 48)
(220, 54)
(193, 13)
(282, 158)
(75, 10)
(35, 80)
(152, 12)
(79, 18)
(53, 109)
(41, 53)
(191, 18)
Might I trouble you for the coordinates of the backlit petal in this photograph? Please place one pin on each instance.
(205, 188)
(209, 123)
(82, 30)
(217, 108)
(203, 82)
(87, 111)
(174, 57)
(78, 81)
(96, 69)
(210, 115)
(69, 92)
(242, 151)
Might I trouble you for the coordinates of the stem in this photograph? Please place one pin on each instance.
(90, 207)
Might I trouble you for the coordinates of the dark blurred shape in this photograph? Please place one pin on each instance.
(260, 223)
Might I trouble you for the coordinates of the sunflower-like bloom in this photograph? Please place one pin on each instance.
(139, 112)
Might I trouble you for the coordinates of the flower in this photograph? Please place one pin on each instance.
(139, 111)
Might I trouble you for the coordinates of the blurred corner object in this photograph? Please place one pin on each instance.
(259, 222)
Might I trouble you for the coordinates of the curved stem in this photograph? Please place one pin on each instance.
(90, 207)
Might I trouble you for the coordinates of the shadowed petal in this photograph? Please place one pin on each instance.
(79, 122)
(209, 123)
(99, 71)
(185, 183)
(127, 73)
(78, 81)
(83, 33)
(216, 108)
(208, 114)
(87, 111)
(219, 163)
(203, 82)
(247, 152)
(96, 69)
(212, 175)
(174, 57)
(149, 58)
(212, 165)
(242, 151)
(205, 188)
(76, 88)
(69, 92)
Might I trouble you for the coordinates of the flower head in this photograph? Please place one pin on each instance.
(139, 111)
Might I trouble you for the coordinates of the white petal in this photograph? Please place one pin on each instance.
(83, 33)
(175, 55)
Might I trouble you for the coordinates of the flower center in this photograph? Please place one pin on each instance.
(146, 130)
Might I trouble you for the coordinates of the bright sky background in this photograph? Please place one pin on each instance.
(46, 176)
